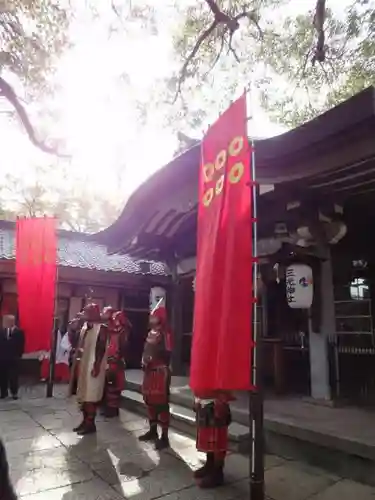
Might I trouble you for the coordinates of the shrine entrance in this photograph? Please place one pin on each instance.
(285, 337)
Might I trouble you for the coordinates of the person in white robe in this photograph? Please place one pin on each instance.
(91, 353)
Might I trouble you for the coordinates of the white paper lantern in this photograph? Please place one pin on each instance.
(157, 297)
(299, 286)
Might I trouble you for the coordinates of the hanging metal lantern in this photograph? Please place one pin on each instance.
(299, 286)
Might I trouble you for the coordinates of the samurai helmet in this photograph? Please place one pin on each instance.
(91, 311)
(75, 321)
(108, 313)
(120, 319)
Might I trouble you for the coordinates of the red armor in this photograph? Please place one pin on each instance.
(155, 386)
(157, 377)
(156, 360)
(116, 352)
(213, 418)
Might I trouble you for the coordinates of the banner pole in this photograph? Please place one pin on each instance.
(52, 358)
(256, 410)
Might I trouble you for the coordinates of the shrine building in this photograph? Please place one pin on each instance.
(316, 206)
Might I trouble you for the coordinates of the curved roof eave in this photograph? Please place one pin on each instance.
(278, 158)
(147, 192)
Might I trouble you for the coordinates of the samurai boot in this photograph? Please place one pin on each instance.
(151, 435)
(79, 427)
(162, 443)
(207, 467)
(213, 479)
(89, 426)
(82, 424)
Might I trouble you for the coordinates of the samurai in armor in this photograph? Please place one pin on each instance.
(118, 331)
(91, 352)
(213, 418)
(157, 378)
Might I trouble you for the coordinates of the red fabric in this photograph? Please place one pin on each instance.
(113, 348)
(8, 304)
(160, 313)
(62, 372)
(36, 254)
(168, 338)
(164, 418)
(120, 319)
(222, 338)
(155, 386)
(115, 383)
(92, 310)
(212, 439)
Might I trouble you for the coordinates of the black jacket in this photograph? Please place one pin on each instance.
(12, 348)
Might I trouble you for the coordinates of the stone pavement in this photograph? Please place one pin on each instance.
(49, 462)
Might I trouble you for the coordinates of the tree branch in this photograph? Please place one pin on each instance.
(232, 49)
(7, 91)
(115, 9)
(251, 16)
(191, 56)
(216, 60)
(231, 25)
(319, 19)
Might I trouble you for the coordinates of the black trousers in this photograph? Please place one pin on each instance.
(9, 374)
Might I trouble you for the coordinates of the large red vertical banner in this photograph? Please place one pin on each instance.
(222, 334)
(36, 266)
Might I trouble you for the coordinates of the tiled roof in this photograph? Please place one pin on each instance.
(86, 255)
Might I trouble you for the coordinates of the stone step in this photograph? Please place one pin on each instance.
(285, 438)
(279, 427)
(183, 419)
(185, 399)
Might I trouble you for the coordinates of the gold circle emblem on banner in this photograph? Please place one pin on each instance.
(207, 197)
(236, 172)
(236, 146)
(221, 160)
(219, 185)
(208, 172)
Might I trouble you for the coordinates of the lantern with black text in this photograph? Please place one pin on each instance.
(299, 286)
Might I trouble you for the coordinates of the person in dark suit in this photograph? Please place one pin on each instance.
(12, 345)
(6, 488)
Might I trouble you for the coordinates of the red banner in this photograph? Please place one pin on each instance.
(36, 255)
(222, 334)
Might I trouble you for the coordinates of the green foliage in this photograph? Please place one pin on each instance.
(277, 61)
(47, 192)
(32, 33)
(308, 90)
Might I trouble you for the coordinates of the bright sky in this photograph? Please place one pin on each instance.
(97, 116)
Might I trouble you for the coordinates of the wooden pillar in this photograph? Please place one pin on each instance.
(318, 341)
